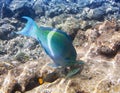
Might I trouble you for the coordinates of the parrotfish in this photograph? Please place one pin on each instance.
(56, 43)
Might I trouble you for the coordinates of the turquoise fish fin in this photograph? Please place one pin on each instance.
(30, 28)
(76, 68)
(72, 72)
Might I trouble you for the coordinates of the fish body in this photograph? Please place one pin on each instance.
(56, 43)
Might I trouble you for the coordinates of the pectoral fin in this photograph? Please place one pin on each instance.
(76, 68)
(72, 72)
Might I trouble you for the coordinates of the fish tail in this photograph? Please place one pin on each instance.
(30, 28)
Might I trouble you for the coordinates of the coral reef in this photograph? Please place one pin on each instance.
(98, 47)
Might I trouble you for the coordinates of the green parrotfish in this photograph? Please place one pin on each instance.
(56, 43)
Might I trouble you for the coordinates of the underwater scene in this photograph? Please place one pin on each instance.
(59, 46)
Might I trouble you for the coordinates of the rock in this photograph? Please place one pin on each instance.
(7, 26)
(39, 8)
(54, 12)
(18, 78)
(52, 8)
(22, 57)
(6, 32)
(96, 14)
(71, 25)
(106, 47)
(80, 38)
(11, 49)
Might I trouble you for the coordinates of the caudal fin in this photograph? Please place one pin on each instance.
(30, 28)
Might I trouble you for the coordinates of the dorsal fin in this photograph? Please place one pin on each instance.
(42, 28)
